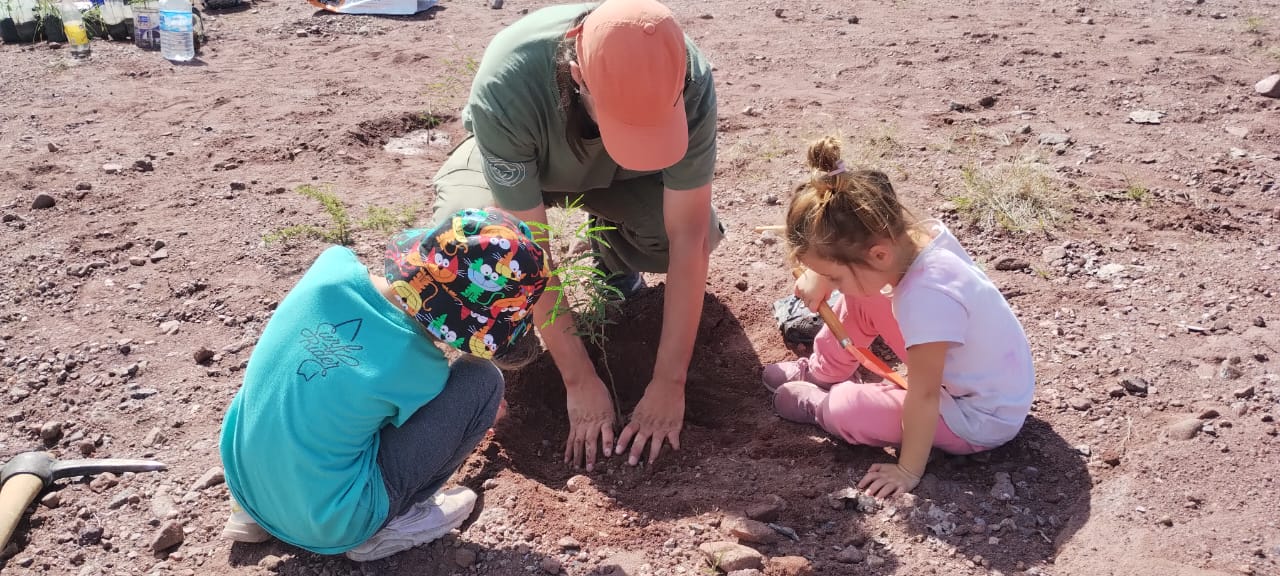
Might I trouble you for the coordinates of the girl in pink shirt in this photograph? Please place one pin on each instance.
(910, 282)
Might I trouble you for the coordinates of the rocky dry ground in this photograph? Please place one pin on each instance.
(136, 197)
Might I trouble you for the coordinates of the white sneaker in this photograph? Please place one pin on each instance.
(240, 527)
(421, 523)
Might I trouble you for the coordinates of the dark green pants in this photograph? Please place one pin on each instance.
(633, 207)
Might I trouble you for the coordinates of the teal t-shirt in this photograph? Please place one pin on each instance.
(514, 112)
(335, 364)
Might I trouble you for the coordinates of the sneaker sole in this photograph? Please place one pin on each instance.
(392, 547)
(245, 535)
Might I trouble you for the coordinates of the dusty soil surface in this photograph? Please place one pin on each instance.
(1151, 447)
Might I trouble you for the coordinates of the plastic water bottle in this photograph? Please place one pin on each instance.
(146, 25)
(177, 34)
(73, 26)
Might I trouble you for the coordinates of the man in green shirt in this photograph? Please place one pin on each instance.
(614, 104)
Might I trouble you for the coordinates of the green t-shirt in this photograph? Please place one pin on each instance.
(336, 364)
(514, 113)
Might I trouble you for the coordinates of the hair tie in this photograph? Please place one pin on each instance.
(838, 171)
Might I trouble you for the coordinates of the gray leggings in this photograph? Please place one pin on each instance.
(419, 457)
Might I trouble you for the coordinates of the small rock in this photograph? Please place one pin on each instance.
(43, 202)
(237, 185)
(1117, 391)
(1165, 521)
(1269, 86)
(51, 500)
(86, 447)
(300, 33)
(1111, 458)
(730, 556)
(270, 563)
(569, 543)
(1080, 403)
(170, 328)
(121, 499)
(777, 12)
(771, 199)
(53, 147)
(790, 566)
(1237, 131)
(1086, 20)
(1185, 429)
(84, 186)
(203, 355)
(143, 393)
(137, 261)
(1244, 393)
(51, 432)
(864, 502)
(577, 483)
(550, 565)
(1209, 414)
(169, 535)
(741, 285)
(706, 16)
(212, 477)
(90, 536)
(1003, 490)
(1012, 264)
(489, 484)
(464, 557)
(1054, 139)
(1145, 116)
(158, 244)
(143, 166)
(112, 168)
(987, 101)
(154, 437)
(767, 510)
(1229, 372)
(103, 482)
(750, 531)
(853, 20)
(163, 506)
(496, 4)
(875, 561)
(851, 555)
(1136, 386)
(159, 255)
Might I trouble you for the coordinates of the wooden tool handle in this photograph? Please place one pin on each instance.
(18, 493)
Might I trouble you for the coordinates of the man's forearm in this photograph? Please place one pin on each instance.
(566, 348)
(682, 310)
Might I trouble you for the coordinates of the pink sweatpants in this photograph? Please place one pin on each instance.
(868, 413)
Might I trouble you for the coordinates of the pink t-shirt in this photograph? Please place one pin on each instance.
(988, 378)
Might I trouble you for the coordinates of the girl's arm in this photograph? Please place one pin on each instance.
(919, 423)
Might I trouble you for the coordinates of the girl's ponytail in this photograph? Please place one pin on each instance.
(839, 212)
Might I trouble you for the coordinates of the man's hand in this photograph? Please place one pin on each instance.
(591, 416)
(658, 417)
(888, 480)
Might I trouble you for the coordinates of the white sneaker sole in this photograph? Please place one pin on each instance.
(391, 540)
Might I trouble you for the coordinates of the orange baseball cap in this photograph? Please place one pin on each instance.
(633, 61)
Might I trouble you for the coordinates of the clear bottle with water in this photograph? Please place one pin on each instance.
(177, 33)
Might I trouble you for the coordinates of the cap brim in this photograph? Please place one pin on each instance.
(646, 148)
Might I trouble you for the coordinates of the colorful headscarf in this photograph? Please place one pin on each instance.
(471, 281)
